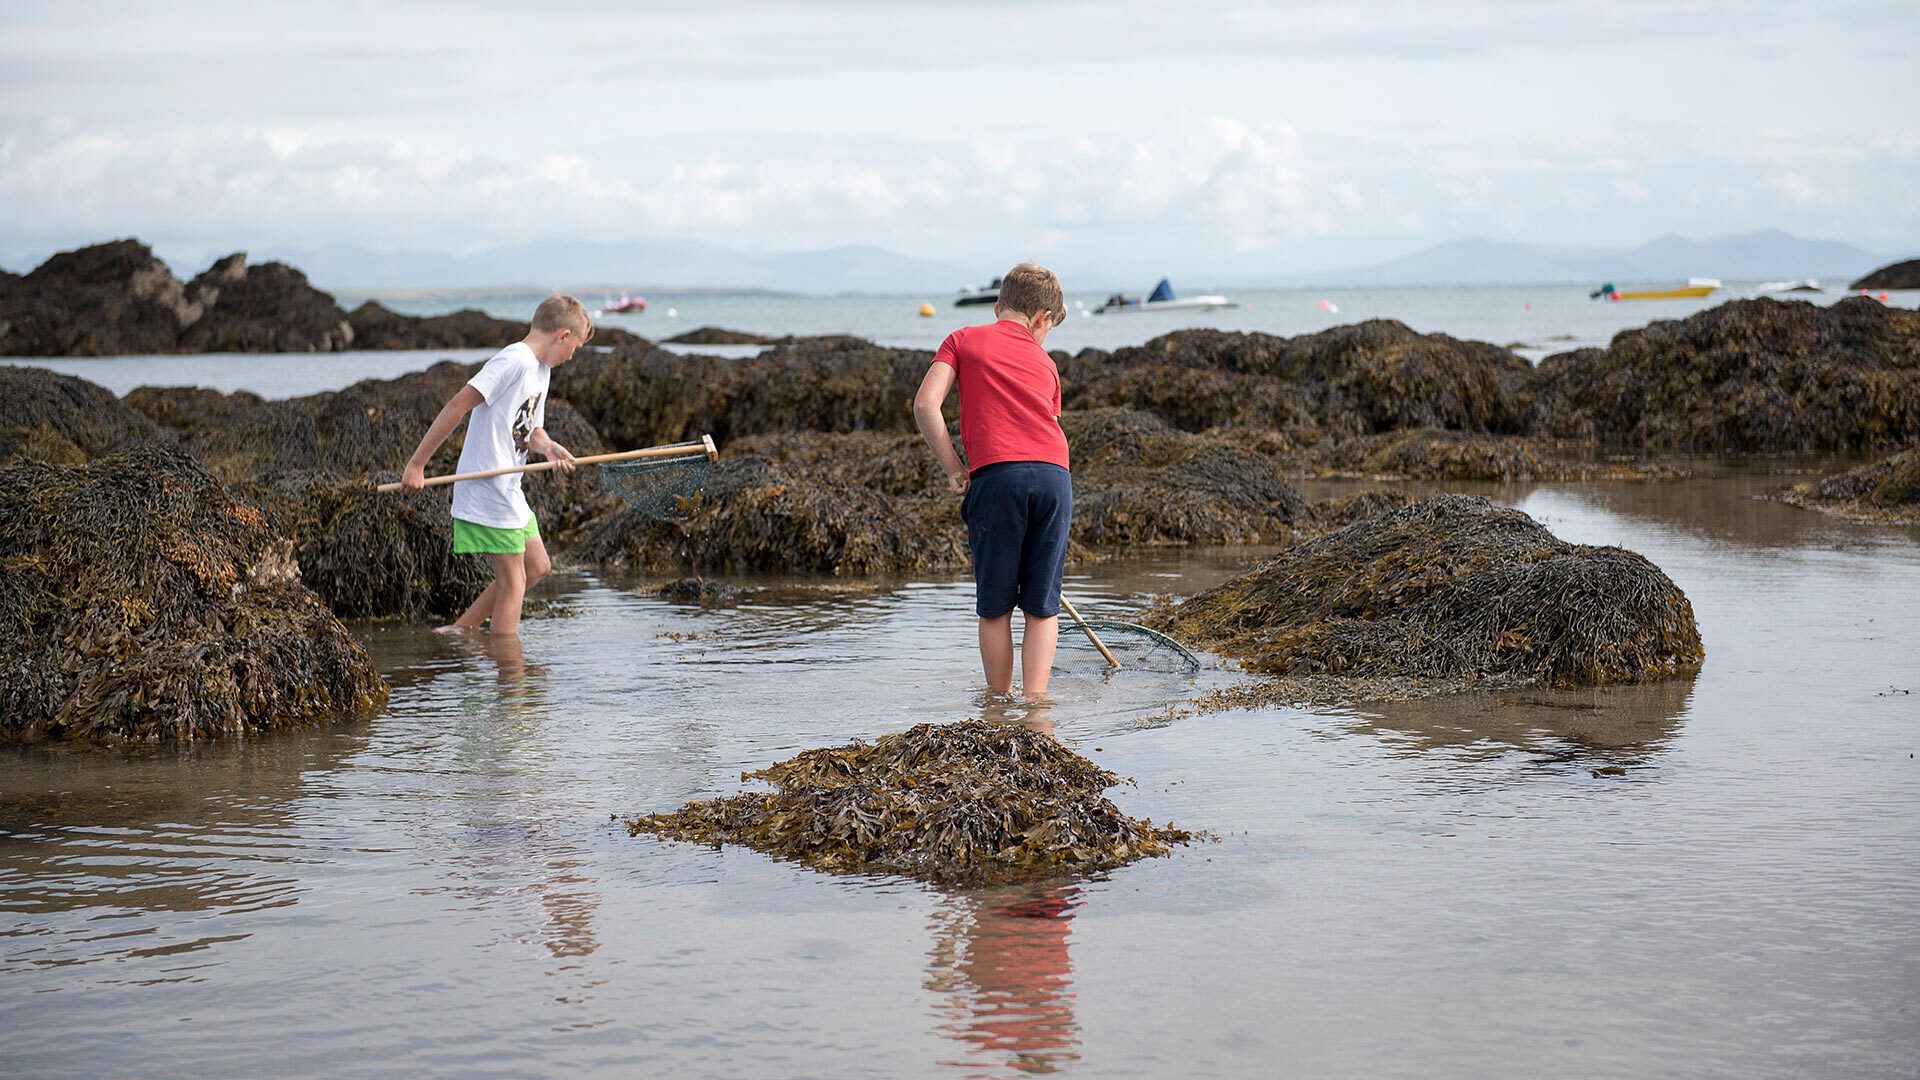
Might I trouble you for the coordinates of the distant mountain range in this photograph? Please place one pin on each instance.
(645, 267)
(1768, 254)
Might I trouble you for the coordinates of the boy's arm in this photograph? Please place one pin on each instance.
(414, 476)
(541, 443)
(933, 426)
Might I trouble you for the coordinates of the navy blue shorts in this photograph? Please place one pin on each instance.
(1017, 515)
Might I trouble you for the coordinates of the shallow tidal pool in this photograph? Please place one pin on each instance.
(1718, 875)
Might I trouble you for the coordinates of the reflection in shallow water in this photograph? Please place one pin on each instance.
(1001, 964)
(1608, 725)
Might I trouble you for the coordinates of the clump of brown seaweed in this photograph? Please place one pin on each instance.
(1887, 491)
(63, 420)
(968, 802)
(1438, 454)
(1450, 588)
(140, 599)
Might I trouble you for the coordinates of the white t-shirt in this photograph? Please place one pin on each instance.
(514, 385)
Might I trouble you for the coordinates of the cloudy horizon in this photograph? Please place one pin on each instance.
(1290, 137)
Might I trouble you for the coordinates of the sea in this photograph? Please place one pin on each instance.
(1536, 320)
(1713, 876)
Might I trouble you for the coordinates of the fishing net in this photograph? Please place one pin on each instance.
(1135, 647)
(664, 488)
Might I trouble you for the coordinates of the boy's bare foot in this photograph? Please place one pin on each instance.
(455, 628)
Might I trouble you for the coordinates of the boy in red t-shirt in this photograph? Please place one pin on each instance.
(1018, 493)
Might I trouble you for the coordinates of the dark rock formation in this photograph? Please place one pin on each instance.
(717, 335)
(1434, 454)
(1451, 588)
(63, 420)
(1350, 380)
(264, 308)
(1748, 375)
(1887, 490)
(140, 599)
(1138, 481)
(105, 300)
(375, 327)
(1900, 275)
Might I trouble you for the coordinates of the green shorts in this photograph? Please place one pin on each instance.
(469, 538)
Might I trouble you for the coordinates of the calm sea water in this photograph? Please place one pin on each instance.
(1537, 320)
(1438, 889)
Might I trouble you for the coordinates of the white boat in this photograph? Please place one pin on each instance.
(984, 294)
(1162, 299)
(1803, 285)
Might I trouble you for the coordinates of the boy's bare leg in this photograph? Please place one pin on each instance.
(477, 611)
(538, 564)
(996, 652)
(1038, 640)
(509, 588)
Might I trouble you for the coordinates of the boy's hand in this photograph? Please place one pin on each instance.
(561, 457)
(958, 482)
(413, 478)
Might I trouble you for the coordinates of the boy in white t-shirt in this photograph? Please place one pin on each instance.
(508, 399)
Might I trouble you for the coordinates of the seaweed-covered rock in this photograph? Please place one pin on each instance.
(102, 300)
(1434, 454)
(718, 335)
(968, 802)
(1887, 490)
(377, 327)
(648, 397)
(1748, 375)
(264, 308)
(1448, 588)
(1349, 380)
(857, 504)
(1138, 481)
(64, 420)
(365, 430)
(1900, 275)
(140, 599)
(370, 555)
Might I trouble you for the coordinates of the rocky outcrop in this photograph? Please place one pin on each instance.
(1452, 589)
(1350, 380)
(718, 335)
(142, 600)
(1749, 375)
(1900, 275)
(1887, 491)
(265, 308)
(106, 300)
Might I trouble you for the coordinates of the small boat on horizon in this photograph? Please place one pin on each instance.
(985, 294)
(1163, 299)
(1694, 289)
(626, 305)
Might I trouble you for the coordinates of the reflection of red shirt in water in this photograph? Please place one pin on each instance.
(1017, 958)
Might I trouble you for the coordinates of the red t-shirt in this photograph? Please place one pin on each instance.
(1009, 395)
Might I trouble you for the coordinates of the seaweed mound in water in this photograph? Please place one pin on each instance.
(139, 599)
(1449, 588)
(1749, 375)
(1886, 490)
(1435, 454)
(968, 802)
(371, 555)
(63, 420)
(1138, 481)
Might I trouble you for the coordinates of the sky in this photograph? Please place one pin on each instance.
(1118, 136)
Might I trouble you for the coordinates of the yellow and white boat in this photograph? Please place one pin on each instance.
(1694, 289)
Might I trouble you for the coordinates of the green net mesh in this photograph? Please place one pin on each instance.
(668, 489)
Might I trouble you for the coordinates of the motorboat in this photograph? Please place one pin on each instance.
(985, 294)
(626, 305)
(1162, 299)
(1694, 289)
(1803, 285)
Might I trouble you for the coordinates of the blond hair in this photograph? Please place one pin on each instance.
(563, 313)
(1029, 289)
